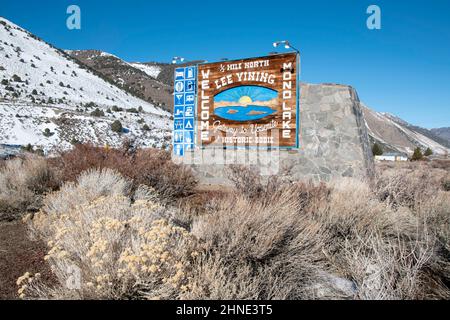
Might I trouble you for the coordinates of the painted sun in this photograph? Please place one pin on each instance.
(245, 100)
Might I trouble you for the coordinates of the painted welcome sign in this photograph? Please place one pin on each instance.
(248, 103)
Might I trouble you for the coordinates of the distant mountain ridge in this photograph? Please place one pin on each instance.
(443, 133)
(168, 70)
(395, 134)
(151, 81)
(430, 134)
(137, 78)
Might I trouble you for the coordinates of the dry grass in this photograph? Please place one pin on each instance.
(263, 250)
(270, 239)
(22, 184)
(371, 247)
(409, 184)
(441, 164)
(383, 250)
(285, 242)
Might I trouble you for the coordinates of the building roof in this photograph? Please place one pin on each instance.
(393, 154)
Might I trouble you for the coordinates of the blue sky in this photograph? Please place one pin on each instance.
(404, 68)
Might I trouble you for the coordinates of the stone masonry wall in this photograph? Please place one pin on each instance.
(333, 142)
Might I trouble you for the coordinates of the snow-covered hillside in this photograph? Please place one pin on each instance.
(42, 87)
(152, 71)
(395, 134)
(22, 124)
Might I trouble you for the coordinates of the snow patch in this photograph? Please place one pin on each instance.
(152, 71)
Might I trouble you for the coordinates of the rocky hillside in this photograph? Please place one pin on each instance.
(137, 78)
(50, 100)
(167, 70)
(151, 81)
(443, 133)
(395, 134)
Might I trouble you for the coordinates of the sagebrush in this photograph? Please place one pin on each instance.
(261, 239)
(22, 184)
(124, 249)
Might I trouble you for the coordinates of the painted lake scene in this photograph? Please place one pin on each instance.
(245, 103)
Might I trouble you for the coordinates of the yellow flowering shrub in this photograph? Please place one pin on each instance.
(123, 249)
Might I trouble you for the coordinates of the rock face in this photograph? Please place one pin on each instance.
(333, 143)
(397, 135)
(444, 133)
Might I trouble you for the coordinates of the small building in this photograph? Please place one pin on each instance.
(391, 156)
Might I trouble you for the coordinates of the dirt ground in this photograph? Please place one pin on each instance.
(18, 254)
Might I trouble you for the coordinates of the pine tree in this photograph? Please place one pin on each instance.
(27, 148)
(47, 133)
(116, 126)
(16, 78)
(97, 113)
(428, 152)
(377, 150)
(417, 155)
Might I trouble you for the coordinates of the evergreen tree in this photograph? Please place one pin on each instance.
(133, 110)
(27, 148)
(417, 155)
(377, 150)
(116, 126)
(47, 133)
(428, 152)
(97, 113)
